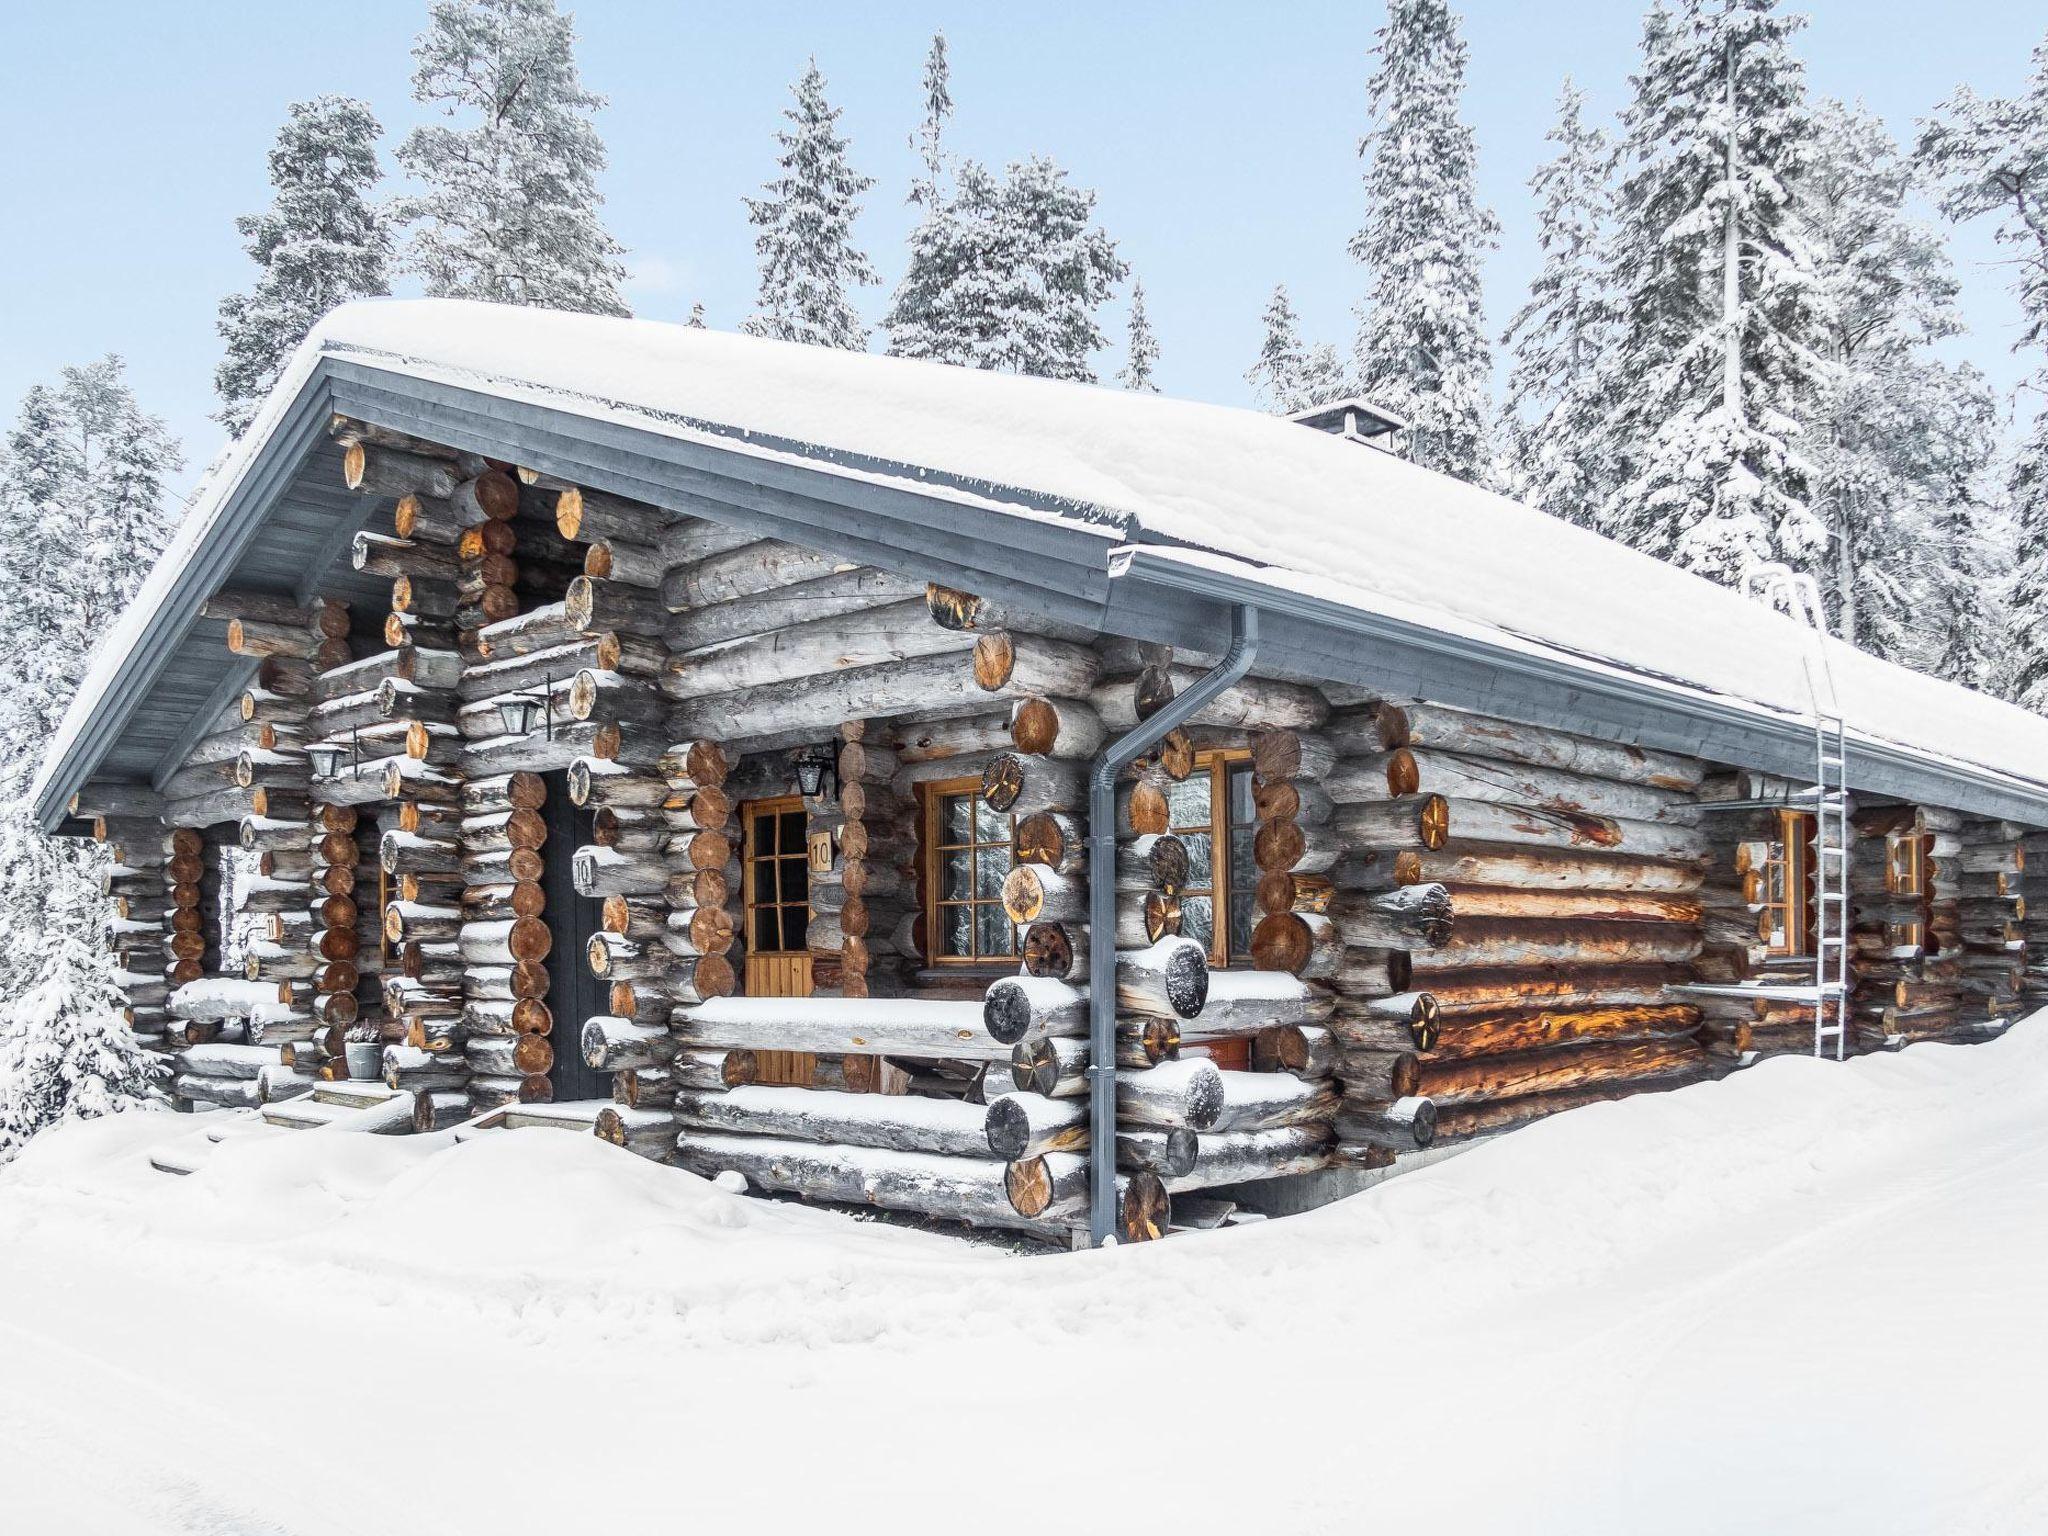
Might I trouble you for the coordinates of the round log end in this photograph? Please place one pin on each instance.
(1148, 809)
(1008, 1127)
(995, 660)
(1029, 1185)
(1023, 894)
(1186, 979)
(1144, 1210)
(1048, 951)
(1006, 1010)
(1035, 725)
(354, 458)
(1425, 1023)
(1002, 781)
(1034, 1067)
(740, 1069)
(569, 513)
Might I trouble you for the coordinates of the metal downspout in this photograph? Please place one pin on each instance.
(1244, 649)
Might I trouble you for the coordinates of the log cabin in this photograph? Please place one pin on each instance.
(1002, 801)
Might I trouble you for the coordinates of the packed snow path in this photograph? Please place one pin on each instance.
(1805, 1298)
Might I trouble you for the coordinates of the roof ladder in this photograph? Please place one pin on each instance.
(1798, 594)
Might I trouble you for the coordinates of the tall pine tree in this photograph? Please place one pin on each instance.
(809, 263)
(1990, 159)
(1714, 355)
(84, 457)
(926, 315)
(321, 243)
(1053, 271)
(510, 213)
(1422, 349)
(1552, 418)
(1290, 376)
(1881, 424)
(1141, 348)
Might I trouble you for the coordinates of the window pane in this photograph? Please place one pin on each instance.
(992, 929)
(991, 865)
(1201, 854)
(990, 826)
(1198, 920)
(792, 831)
(1187, 803)
(1244, 868)
(765, 936)
(795, 923)
(1242, 921)
(956, 931)
(956, 819)
(1242, 813)
(795, 882)
(956, 875)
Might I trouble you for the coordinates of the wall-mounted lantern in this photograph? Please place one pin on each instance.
(518, 711)
(813, 766)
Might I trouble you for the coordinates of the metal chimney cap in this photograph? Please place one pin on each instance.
(1354, 416)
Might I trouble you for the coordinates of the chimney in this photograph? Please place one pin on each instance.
(1358, 420)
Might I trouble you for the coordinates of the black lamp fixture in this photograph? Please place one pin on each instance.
(326, 756)
(813, 766)
(518, 711)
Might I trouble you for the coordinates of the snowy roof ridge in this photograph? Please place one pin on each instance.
(1374, 532)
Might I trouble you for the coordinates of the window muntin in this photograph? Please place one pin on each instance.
(969, 852)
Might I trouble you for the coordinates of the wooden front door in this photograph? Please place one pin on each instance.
(777, 890)
(573, 993)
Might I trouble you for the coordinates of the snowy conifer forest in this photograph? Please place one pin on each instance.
(1742, 345)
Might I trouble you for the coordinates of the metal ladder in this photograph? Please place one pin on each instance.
(1798, 594)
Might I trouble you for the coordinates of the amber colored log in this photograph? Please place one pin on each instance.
(1485, 901)
(1471, 1079)
(1536, 1028)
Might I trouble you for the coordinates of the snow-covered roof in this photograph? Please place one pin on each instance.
(1303, 510)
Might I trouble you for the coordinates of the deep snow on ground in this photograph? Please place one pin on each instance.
(1812, 1297)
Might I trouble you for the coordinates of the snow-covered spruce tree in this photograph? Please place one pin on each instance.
(696, 320)
(809, 263)
(1053, 272)
(321, 243)
(1422, 344)
(66, 1053)
(1888, 428)
(1958, 616)
(1990, 157)
(1141, 349)
(1551, 420)
(510, 210)
(1290, 376)
(1714, 358)
(925, 314)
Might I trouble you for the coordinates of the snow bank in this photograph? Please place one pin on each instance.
(1803, 1298)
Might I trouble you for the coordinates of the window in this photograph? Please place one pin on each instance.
(1905, 867)
(1788, 886)
(1211, 811)
(777, 878)
(969, 850)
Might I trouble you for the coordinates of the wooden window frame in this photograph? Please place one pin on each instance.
(1907, 877)
(776, 806)
(1220, 764)
(1792, 853)
(931, 817)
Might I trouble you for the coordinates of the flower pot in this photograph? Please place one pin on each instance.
(365, 1060)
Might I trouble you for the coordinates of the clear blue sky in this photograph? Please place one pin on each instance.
(1221, 138)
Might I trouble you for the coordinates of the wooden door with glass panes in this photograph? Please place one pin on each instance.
(776, 887)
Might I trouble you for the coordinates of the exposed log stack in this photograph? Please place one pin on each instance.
(2031, 891)
(877, 844)
(140, 911)
(1572, 869)
(1990, 863)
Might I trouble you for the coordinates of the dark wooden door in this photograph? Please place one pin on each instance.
(573, 993)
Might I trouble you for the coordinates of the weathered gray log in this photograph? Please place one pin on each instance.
(918, 1027)
(1388, 726)
(1404, 1125)
(1185, 1093)
(863, 638)
(1257, 1101)
(1244, 1157)
(1170, 979)
(850, 591)
(1406, 771)
(947, 1127)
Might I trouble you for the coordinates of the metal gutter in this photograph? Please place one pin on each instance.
(1244, 650)
(1322, 633)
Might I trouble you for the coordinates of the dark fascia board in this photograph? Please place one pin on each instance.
(1345, 644)
(213, 562)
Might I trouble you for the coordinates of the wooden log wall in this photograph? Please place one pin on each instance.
(1573, 870)
(1990, 863)
(142, 910)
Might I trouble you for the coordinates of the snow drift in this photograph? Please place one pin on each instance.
(1802, 1298)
